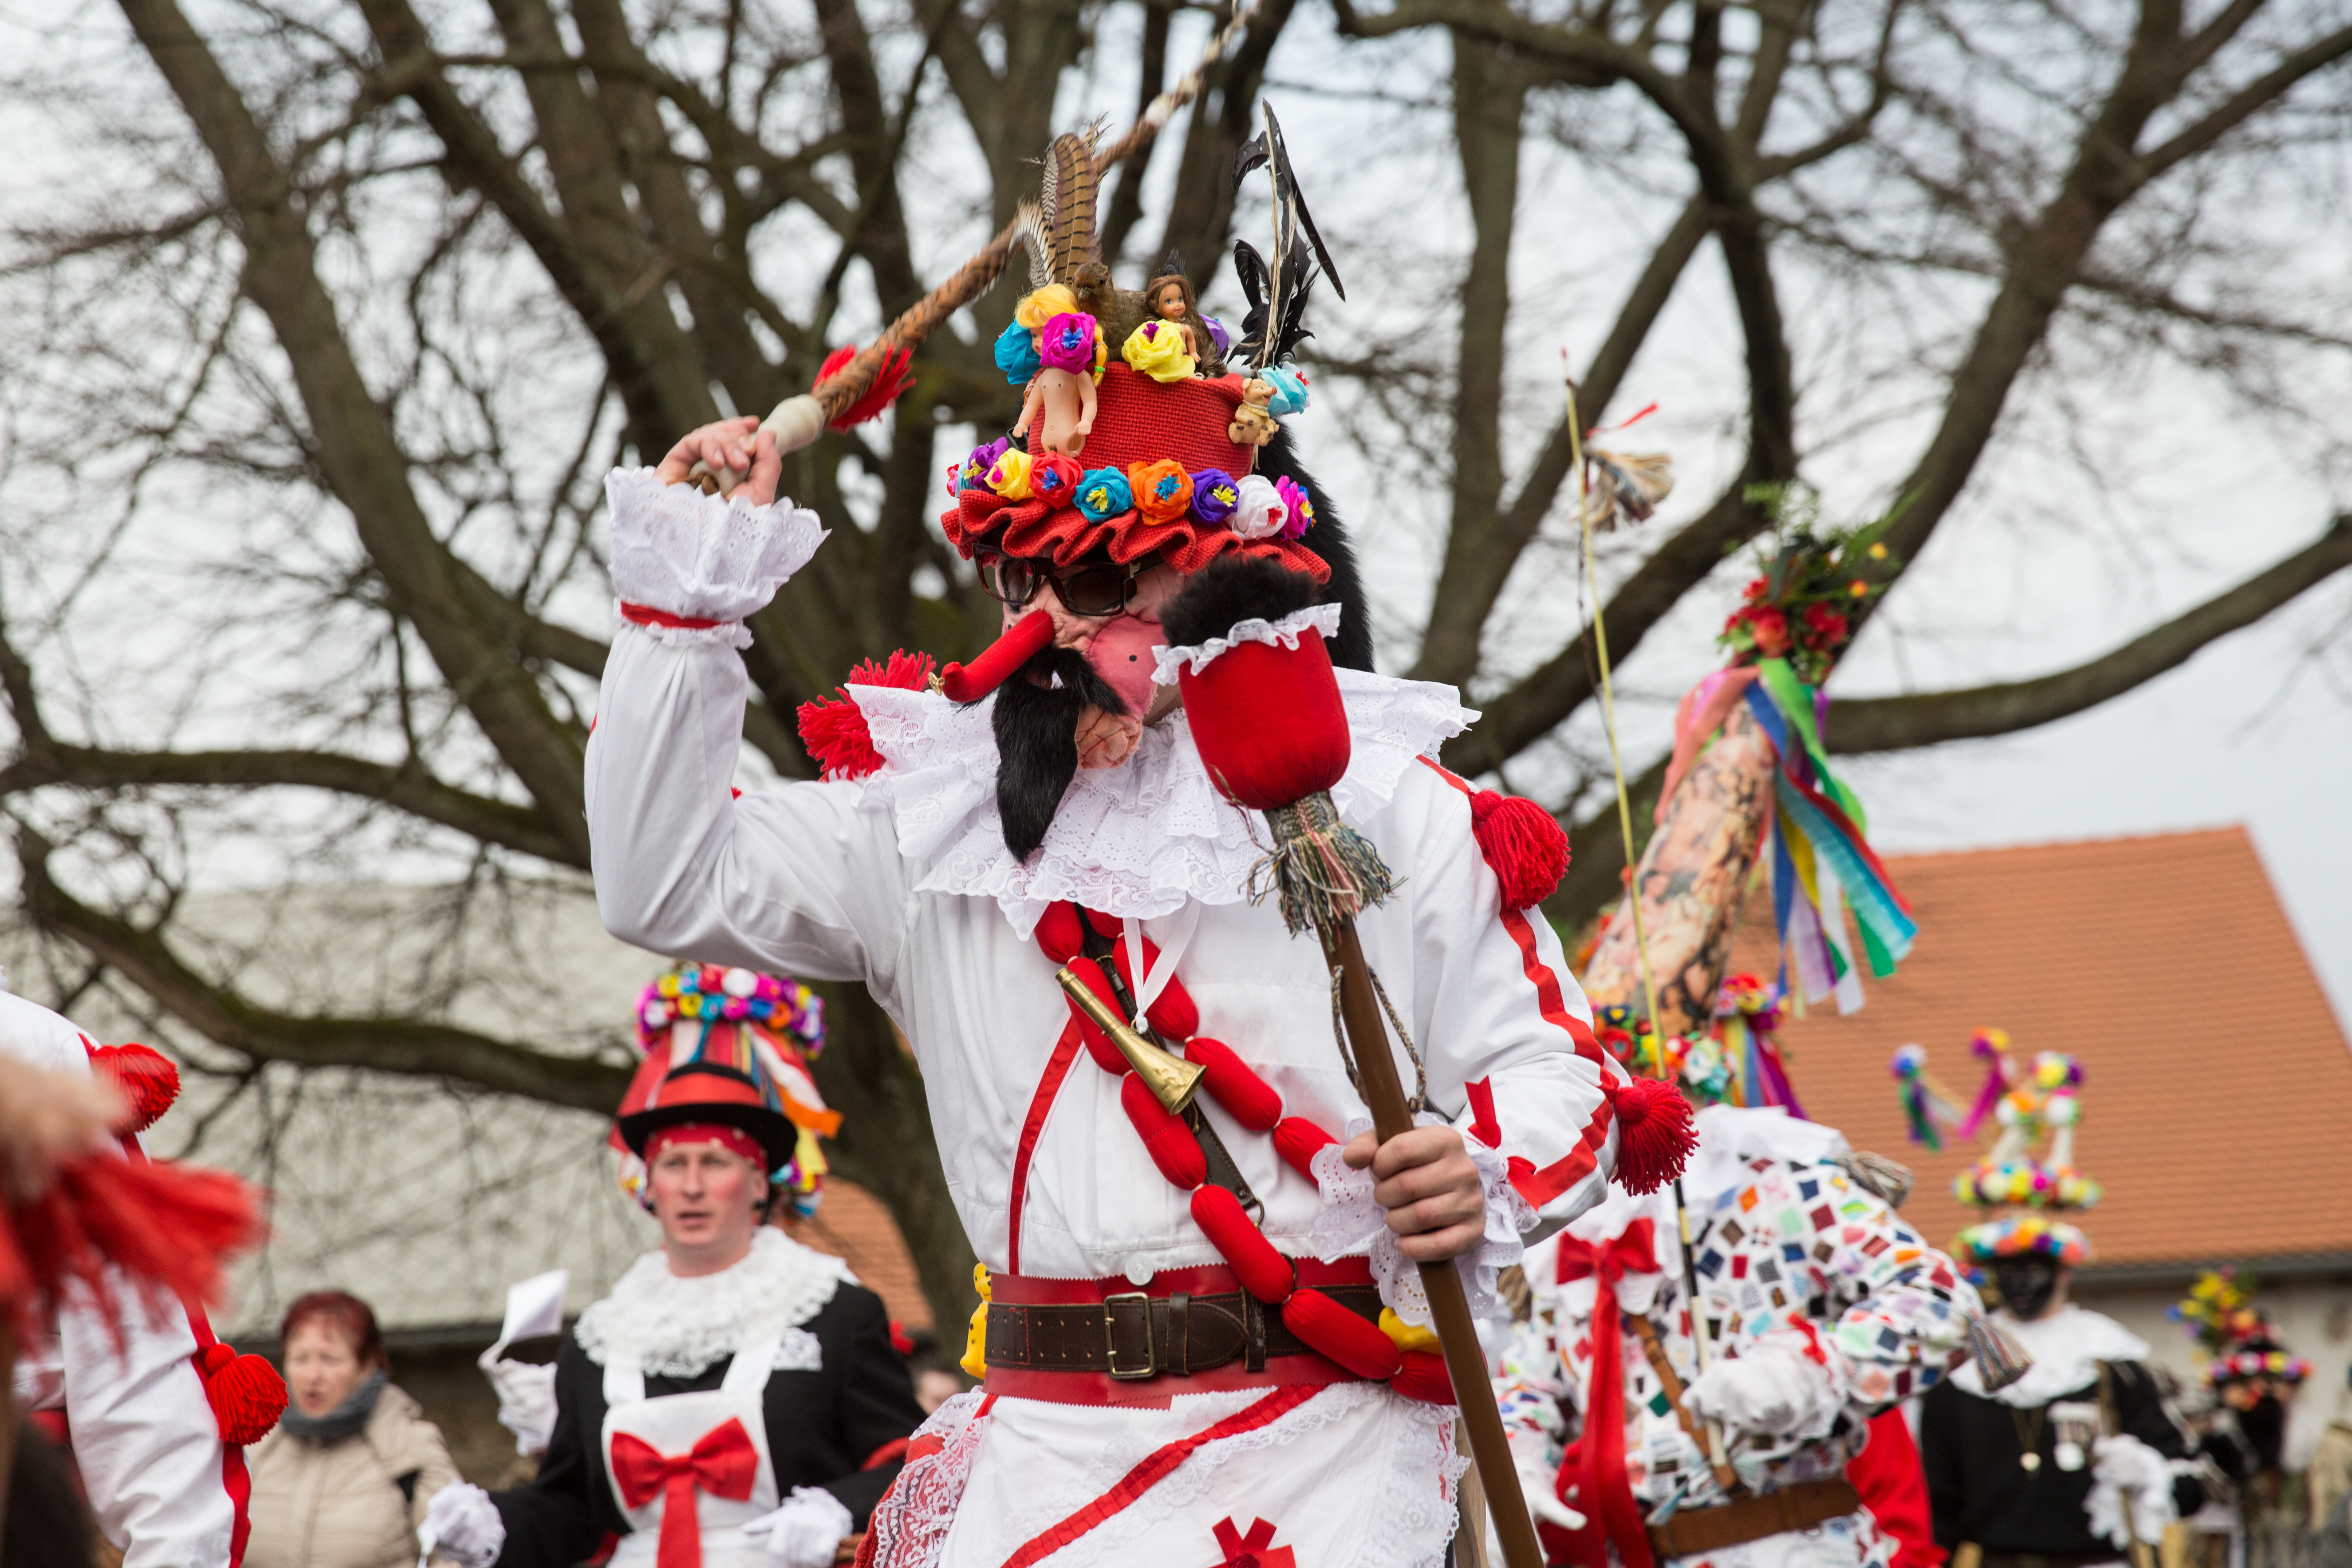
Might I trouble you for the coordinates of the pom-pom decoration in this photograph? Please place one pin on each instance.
(147, 1081)
(1523, 844)
(246, 1392)
(834, 728)
(1654, 1133)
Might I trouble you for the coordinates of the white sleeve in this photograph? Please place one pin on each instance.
(798, 879)
(144, 1436)
(1499, 1007)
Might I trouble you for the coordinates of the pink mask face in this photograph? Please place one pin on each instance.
(1121, 655)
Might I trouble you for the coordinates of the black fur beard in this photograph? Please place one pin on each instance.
(1036, 726)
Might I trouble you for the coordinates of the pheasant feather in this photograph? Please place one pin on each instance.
(1069, 190)
(1029, 228)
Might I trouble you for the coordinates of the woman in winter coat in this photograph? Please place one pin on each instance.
(343, 1480)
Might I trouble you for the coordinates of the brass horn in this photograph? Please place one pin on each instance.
(1171, 1079)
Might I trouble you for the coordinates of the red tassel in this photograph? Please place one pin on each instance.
(1334, 1332)
(1058, 933)
(246, 1393)
(998, 662)
(1423, 1377)
(145, 1078)
(1264, 1273)
(1246, 1097)
(834, 728)
(1171, 1144)
(1099, 1044)
(1298, 1141)
(1654, 1135)
(1523, 843)
(167, 1226)
(890, 378)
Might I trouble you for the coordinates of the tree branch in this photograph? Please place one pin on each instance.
(1895, 723)
(381, 1045)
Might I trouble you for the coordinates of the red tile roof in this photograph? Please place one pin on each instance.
(852, 1223)
(2217, 1099)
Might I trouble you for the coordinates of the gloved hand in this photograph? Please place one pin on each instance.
(805, 1532)
(463, 1525)
(1770, 1389)
(2128, 1473)
(1539, 1483)
(526, 1401)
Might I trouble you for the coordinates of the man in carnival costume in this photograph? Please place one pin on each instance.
(152, 1410)
(737, 1401)
(1180, 1349)
(2079, 1461)
(1822, 1312)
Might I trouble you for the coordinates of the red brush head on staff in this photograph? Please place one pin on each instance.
(1258, 687)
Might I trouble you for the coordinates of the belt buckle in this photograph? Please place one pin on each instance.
(1150, 1366)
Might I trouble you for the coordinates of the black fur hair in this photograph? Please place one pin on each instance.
(1229, 589)
(1352, 648)
(1036, 728)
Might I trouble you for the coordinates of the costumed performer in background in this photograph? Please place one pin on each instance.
(1181, 1349)
(720, 1407)
(2079, 1461)
(152, 1409)
(1823, 1311)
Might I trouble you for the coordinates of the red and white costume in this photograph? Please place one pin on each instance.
(166, 1490)
(903, 881)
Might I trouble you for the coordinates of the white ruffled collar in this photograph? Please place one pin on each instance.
(1139, 839)
(2067, 1347)
(676, 1327)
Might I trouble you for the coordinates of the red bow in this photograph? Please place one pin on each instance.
(723, 1464)
(1596, 1464)
(1255, 1549)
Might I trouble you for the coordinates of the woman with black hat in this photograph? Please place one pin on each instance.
(720, 1408)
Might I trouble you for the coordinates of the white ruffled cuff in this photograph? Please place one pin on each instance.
(1353, 1224)
(699, 557)
(1324, 618)
(1777, 1392)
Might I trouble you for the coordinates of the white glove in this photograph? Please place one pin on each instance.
(1770, 1389)
(805, 1532)
(526, 1401)
(463, 1525)
(2128, 1469)
(1537, 1485)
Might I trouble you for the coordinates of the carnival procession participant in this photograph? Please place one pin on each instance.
(737, 1401)
(152, 1410)
(2079, 1461)
(1822, 1310)
(1180, 1349)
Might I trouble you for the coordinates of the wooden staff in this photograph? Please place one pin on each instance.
(1449, 1308)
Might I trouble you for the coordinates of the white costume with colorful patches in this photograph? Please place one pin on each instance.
(903, 883)
(1795, 1262)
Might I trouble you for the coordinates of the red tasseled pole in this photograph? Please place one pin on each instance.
(1655, 1134)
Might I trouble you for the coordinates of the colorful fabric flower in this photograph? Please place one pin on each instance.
(971, 474)
(1289, 390)
(1218, 335)
(1157, 350)
(1103, 494)
(1017, 354)
(1163, 491)
(1825, 629)
(1053, 480)
(1259, 511)
(1302, 509)
(1068, 342)
(1009, 475)
(1214, 495)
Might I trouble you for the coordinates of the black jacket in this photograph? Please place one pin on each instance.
(1970, 1447)
(823, 1428)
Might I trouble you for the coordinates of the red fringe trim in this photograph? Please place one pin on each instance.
(834, 728)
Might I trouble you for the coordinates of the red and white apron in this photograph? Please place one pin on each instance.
(707, 1450)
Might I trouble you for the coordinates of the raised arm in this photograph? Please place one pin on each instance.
(799, 878)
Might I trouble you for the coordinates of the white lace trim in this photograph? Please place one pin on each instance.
(1414, 1524)
(1139, 839)
(2067, 1347)
(1353, 1225)
(687, 554)
(1324, 618)
(676, 1327)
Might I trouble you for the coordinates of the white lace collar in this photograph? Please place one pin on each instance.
(2066, 1346)
(675, 1327)
(1139, 839)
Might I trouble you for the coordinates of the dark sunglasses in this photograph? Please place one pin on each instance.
(1089, 588)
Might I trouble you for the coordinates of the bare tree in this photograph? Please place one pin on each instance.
(321, 346)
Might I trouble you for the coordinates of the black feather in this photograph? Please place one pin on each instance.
(1249, 268)
(1230, 590)
(1288, 198)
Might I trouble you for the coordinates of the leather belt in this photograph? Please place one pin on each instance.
(1800, 1507)
(1133, 1335)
